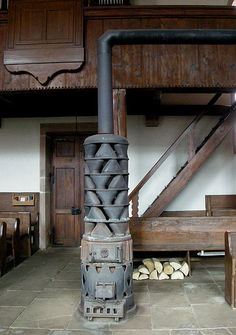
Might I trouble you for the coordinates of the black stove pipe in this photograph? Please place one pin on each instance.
(143, 36)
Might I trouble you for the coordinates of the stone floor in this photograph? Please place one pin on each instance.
(41, 297)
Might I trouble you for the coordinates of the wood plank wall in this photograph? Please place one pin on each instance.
(146, 66)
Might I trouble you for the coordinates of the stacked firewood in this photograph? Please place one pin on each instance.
(152, 268)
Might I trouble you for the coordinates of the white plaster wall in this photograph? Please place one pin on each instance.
(19, 155)
(20, 145)
(20, 152)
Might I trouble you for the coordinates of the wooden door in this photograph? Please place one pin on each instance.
(67, 190)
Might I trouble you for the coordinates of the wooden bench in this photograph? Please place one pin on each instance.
(3, 247)
(12, 239)
(230, 268)
(220, 205)
(180, 234)
(26, 230)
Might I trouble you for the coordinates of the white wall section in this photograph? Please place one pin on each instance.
(20, 155)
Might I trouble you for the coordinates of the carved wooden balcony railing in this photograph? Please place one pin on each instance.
(106, 2)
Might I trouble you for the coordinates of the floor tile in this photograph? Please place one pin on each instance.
(203, 293)
(199, 276)
(143, 309)
(222, 331)
(142, 322)
(142, 297)
(171, 286)
(141, 332)
(30, 283)
(215, 315)
(140, 286)
(17, 298)
(9, 314)
(80, 323)
(70, 284)
(25, 332)
(173, 318)
(164, 298)
(68, 275)
(72, 295)
(80, 332)
(48, 313)
(186, 332)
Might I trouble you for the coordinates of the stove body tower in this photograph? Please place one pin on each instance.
(106, 254)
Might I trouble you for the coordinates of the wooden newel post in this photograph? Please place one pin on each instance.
(119, 112)
(230, 263)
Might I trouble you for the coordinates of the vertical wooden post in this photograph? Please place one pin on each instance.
(119, 112)
(191, 144)
(135, 206)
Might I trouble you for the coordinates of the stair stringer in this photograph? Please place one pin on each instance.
(187, 172)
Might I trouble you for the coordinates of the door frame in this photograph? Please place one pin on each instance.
(47, 131)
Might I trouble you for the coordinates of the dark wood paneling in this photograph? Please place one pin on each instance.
(179, 66)
(44, 37)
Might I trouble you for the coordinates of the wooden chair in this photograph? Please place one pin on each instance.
(230, 268)
(12, 239)
(3, 247)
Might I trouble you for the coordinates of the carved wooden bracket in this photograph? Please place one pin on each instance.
(45, 38)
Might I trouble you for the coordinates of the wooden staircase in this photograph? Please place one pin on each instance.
(196, 159)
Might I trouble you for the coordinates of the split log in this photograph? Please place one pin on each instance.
(143, 269)
(153, 275)
(158, 265)
(167, 268)
(143, 276)
(148, 262)
(175, 263)
(184, 268)
(177, 275)
(163, 276)
(136, 274)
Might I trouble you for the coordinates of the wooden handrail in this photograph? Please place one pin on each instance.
(171, 148)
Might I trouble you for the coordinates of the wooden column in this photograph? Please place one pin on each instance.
(119, 112)
(191, 144)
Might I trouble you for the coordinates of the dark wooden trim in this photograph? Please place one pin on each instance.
(80, 127)
(197, 213)
(160, 11)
